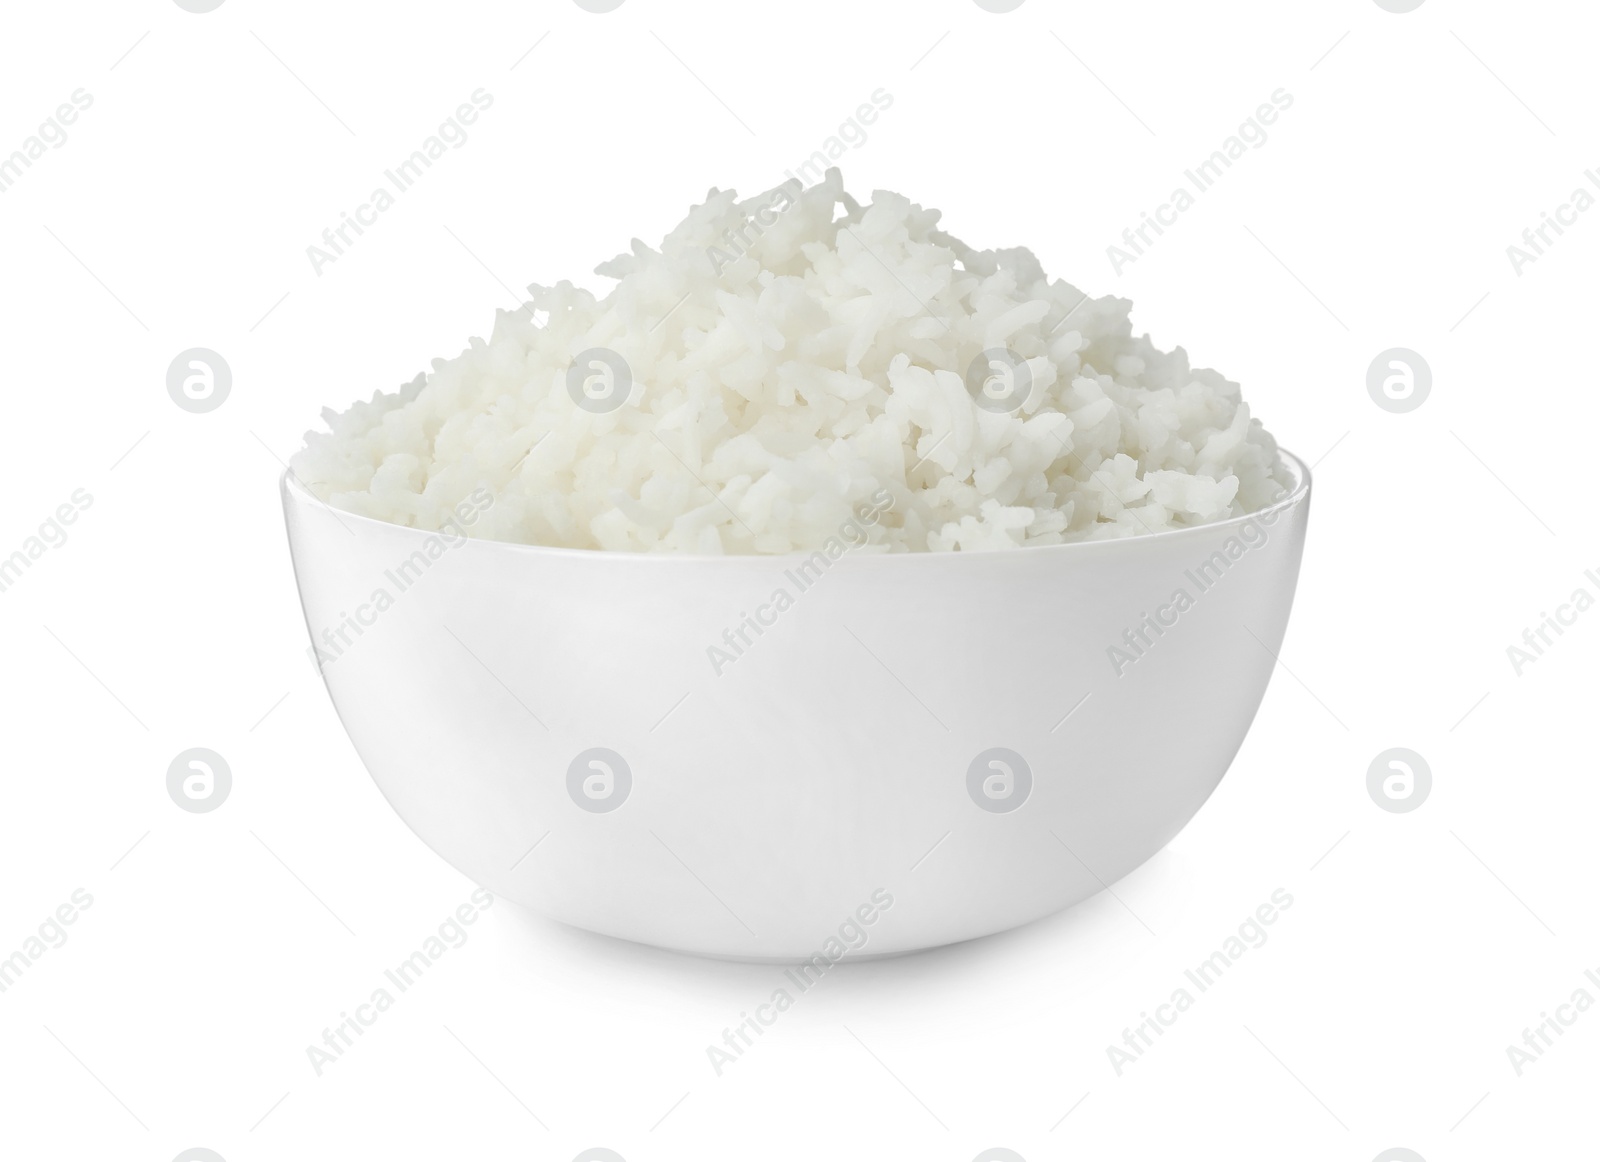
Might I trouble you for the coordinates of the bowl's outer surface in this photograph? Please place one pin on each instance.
(827, 763)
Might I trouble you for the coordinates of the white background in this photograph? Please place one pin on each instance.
(1419, 946)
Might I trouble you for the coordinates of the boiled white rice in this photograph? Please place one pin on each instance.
(788, 362)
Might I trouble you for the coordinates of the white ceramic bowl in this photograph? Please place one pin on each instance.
(949, 732)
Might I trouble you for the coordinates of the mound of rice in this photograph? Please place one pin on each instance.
(789, 362)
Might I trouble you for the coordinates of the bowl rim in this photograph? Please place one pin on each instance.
(1298, 493)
